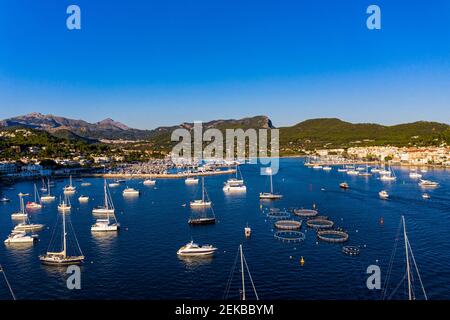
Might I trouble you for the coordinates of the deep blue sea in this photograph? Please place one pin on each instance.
(140, 261)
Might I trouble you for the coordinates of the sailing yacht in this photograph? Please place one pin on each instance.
(270, 195)
(25, 225)
(61, 258)
(204, 201)
(36, 204)
(235, 184)
(409, 277)
(193, 249)
(108, 205)
(389, 175)
(243, 270)
(64, 205)
(70, 188)
(44, 187)
(413, 174)
(21, 214)
(343, 169)
(365, 173)
(48, 197)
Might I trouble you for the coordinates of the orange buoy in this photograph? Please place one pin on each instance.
(302, 261)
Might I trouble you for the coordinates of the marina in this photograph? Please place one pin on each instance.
(154, 226)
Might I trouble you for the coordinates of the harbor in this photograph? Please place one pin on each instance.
(317, 232)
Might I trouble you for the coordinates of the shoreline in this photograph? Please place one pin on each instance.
(161, 175)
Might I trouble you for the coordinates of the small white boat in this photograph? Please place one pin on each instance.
(375, 170)
(86, 184)
(20, 237)
(387, 177)
(353, 172)
(247, 231)
(149, 182)
(424, 170)
(342, 169)
(47, 197)
(234, 188)
(428, 183)
(114, 184)
(426, 196)
(327, 168)
(343, 185)
(130, 192)
(360, 169)
(415, 175)
(27, 226)
(191, 180)
(317, 166)
(193, 249)
(4, 199)
(83, 198)
(64, 205)
(383, 194)
(69, 189)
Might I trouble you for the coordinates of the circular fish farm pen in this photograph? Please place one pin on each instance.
(351, 250)
(278, 214)
(333, 236)
(320, 223)
(289, 236)
(306, 212)
(288, 225)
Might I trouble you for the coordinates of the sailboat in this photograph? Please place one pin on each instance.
(36, 204)
(21, 214)
(48, 197)
(149, 182)
(270, 195)
(235, 184)
(61, 258)
(108, 205)
(191, 180)
(64, 205)
(389, 175)
(202, 202)
(70, 188)
(44, 187)
(365, 173)
(244, 270)
(410, 278)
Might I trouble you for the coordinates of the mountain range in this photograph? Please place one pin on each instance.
(314, 133)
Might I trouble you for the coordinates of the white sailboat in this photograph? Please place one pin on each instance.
(270, 195)
(61, 258)
(36, 204)
(108, 205)
(388, 175)
(191, 180)
(149, 182)
(44, 187)
(48, 197)
(20, 237)
(26, 225)
(64, 205)
(203, 202)
(410, 278)
(130, 192)
(70, 188)
(21, 214)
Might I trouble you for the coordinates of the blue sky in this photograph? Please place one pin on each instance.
(149, 63)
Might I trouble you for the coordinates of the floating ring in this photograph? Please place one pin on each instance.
(334, 236)
(288, 225)
(306, 212)
(320, 223)
(289, 236)
(351, 250)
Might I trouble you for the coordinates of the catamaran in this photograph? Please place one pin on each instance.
(108, 205)
(48, 197)
(36, 204)
(270, 195)
(20, 237)
(21, 214)
(193, 249)
(61, 258)
(64, 205)
(70, 188)
(204, 201)
(235, 184)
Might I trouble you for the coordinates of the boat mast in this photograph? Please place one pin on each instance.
(242, 272)
(48, 186)
(203, 189)
(408, 272)
(271, 183)
(106, 196)
(64, 232)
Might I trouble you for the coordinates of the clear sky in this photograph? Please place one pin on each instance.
(149, 63)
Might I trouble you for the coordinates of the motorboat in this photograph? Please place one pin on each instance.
(149, 182)
(383, 194)
(343, 185)
(426, 196)
(83, 198)
(193, 249)
(191, 180)
(428, 183)
(20, 237)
